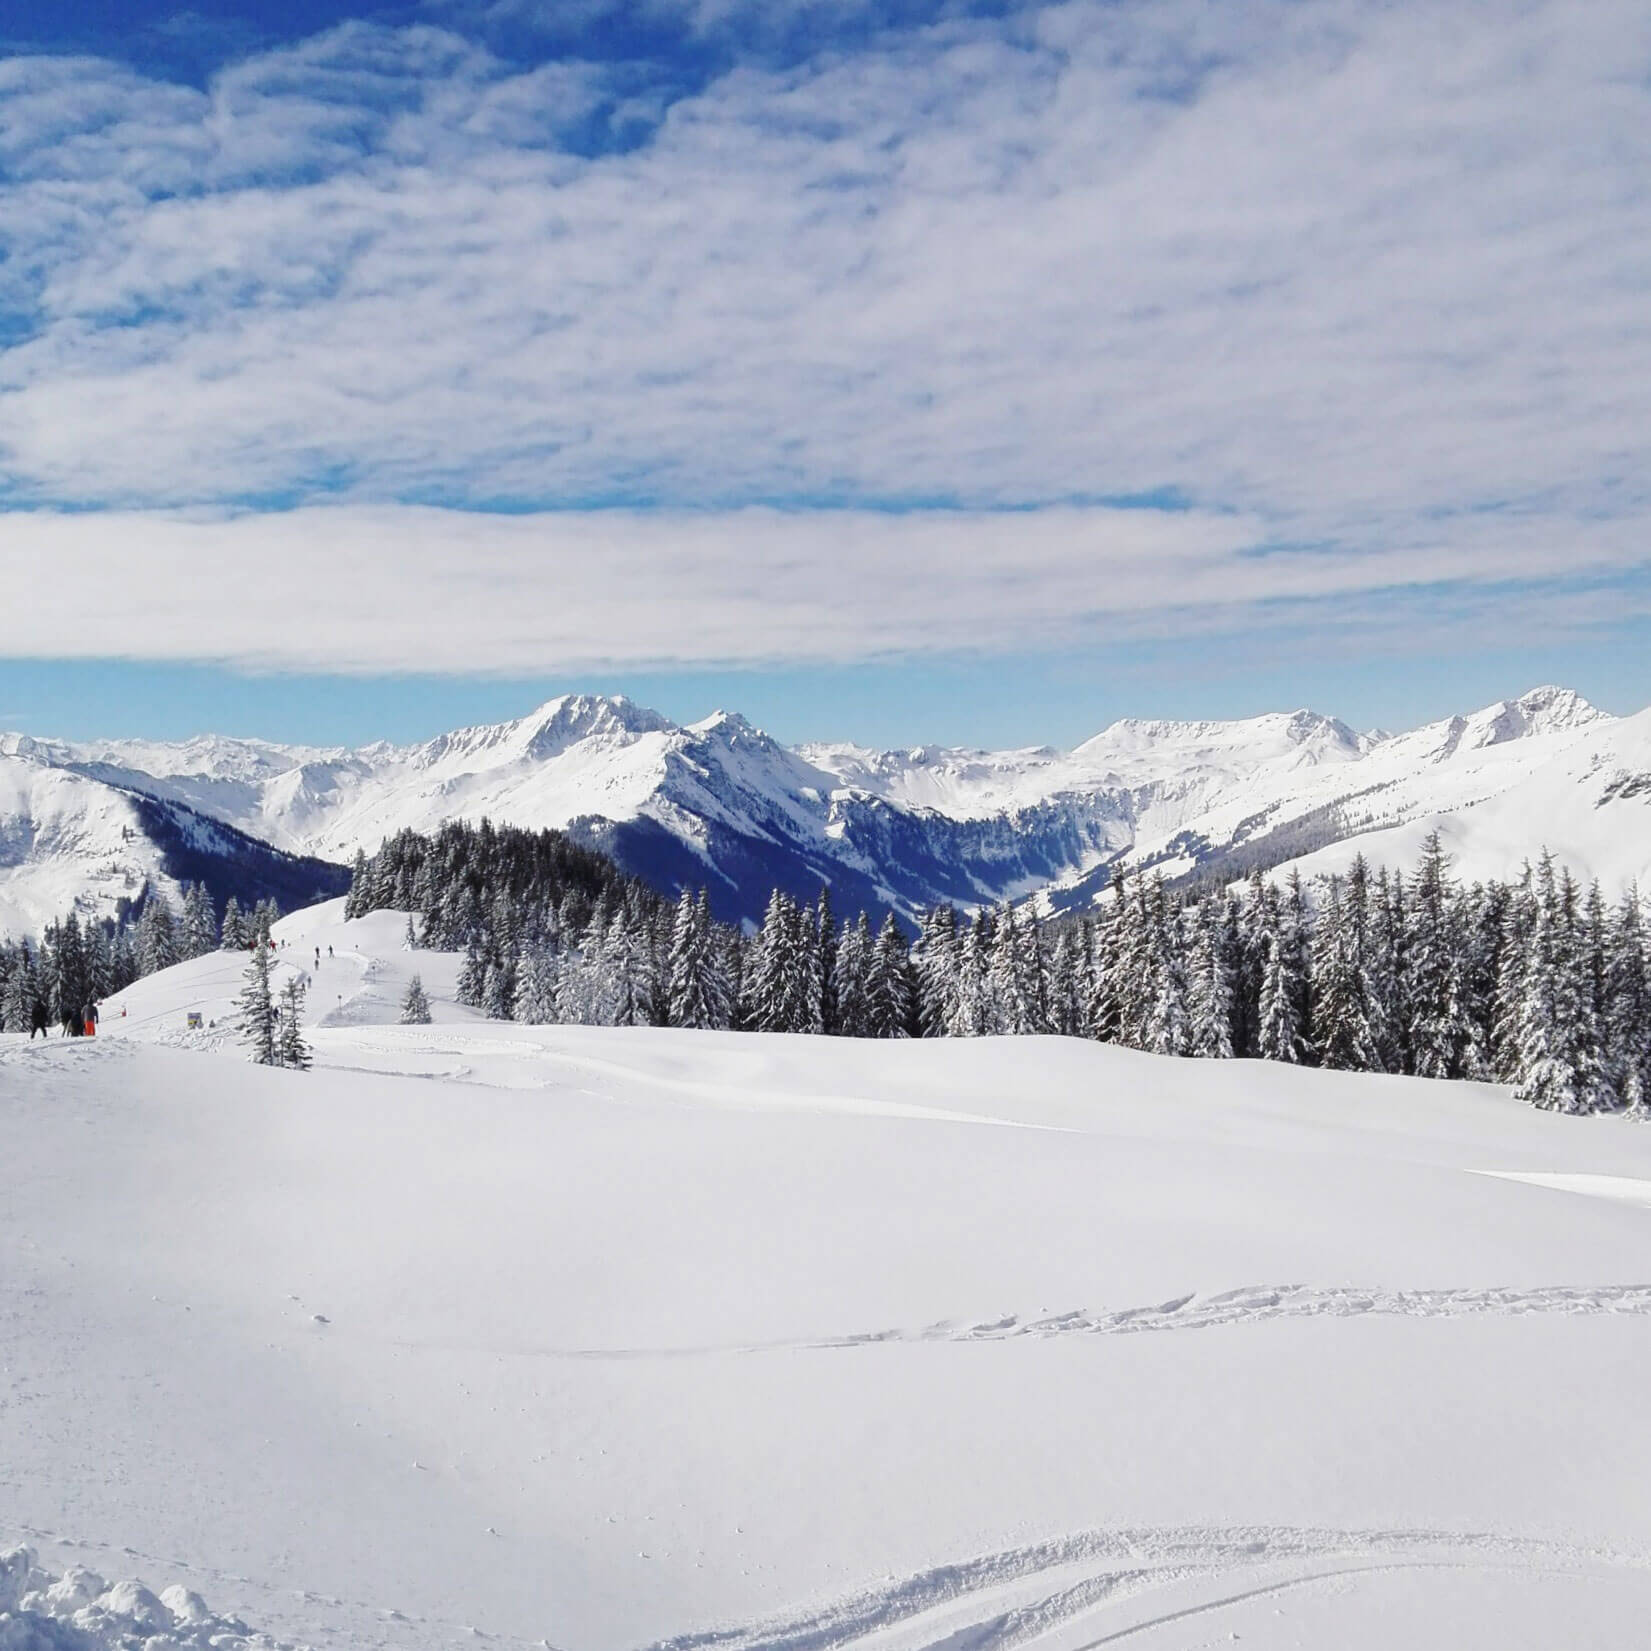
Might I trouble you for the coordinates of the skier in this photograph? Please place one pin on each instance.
(39, 1020)
(329, 951)
(71, 1024)
(318, 957)
(89, 1015)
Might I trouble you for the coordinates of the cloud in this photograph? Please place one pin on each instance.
(389, 588)
(1368, 279)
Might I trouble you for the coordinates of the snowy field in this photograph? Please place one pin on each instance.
(489, 1334)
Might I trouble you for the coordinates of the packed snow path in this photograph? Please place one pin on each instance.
(618, 1339)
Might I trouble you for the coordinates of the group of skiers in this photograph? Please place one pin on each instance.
(76, 1023)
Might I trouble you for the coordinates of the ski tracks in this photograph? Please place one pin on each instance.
(1254, 1304)
(1250, 1304)
(1098, 1588)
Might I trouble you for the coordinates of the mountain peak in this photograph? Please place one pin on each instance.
(569, 718)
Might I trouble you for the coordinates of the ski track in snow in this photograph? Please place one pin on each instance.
(1043, 1592)
(1252, 1304)
(1142, 1578)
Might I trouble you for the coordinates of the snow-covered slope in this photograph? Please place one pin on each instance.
(72, 839)
(610, 1339)
(720, 803)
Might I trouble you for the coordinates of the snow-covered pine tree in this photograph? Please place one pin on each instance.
(1518, 926)
(536, 980)
(415, 1005)
(499, 989)
(1554, 1066)
(21, 990)
(199, 926)
(888, 986)
(290, 1047)
(157, 935)
(1167, 1029)
(826, 938)
(1103, 1009)
(1067, 973)
(1278, 1028)
(968, 1009)
(255, 1008)
(1341, 1013)
(1210, 989)
(1134, 976)
(854, 948)
(1014, 1010)
(356, 902)
(1431, 958)
(688, 966)
(936, 963)
(1593, 989)
(472, 979)
(233, 937)
(1628, 1011)
(768, 989)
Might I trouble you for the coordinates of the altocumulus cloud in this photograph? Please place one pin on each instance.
(883, 350)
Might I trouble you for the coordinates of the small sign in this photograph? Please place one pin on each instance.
(194, 1020)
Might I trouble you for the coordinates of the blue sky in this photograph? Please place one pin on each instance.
(927, 371)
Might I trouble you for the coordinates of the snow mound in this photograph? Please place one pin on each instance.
(79, 1611)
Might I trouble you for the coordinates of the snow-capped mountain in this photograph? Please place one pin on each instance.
(74, 839)
(720, 803)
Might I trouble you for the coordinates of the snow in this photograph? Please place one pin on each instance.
(1546, 768)
(79, 1611)
(626, 1338)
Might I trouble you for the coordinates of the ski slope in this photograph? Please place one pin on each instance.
(490, 1334)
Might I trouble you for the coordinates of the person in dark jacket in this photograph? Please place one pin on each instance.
(71, 1022)
(39, 1020)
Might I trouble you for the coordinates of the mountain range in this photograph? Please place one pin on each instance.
(719, 803)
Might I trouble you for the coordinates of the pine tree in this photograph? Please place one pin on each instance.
(256, 1008)
(968, 1010)
(472, 979)
(1210, 989)
(854, 949)
(826, 939)
(290, 1047)
(1167, 1028)
(936, 961)
(1279, 1028)
(157, 938)
(499, 990)
(888, 986)
(536, 980)
(415, 1006)
(233, 937)
(1341, 1017)
(696, 972)
(772, 992)
(1554, 1066)
(1628, 1011)
(1431, 957)
(1067, 973)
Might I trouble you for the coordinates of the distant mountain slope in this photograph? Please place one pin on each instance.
(73, 839)
(720, 803)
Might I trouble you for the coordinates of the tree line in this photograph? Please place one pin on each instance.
(76, 962)
(1534, 982)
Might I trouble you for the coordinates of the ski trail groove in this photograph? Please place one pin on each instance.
(1022, 1595)
(1251, 1304)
